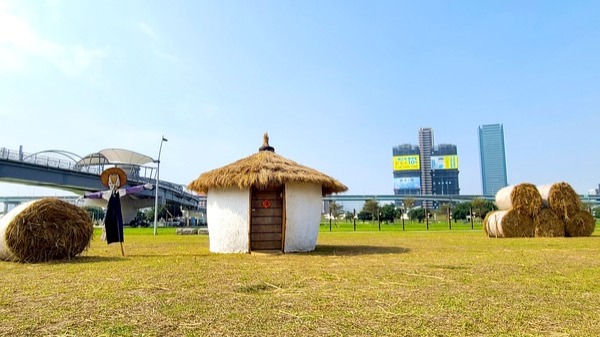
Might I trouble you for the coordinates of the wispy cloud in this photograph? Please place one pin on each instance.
(150, 32)
(19, 42)
(146, 29)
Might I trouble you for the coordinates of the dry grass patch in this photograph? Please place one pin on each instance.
(438, 283)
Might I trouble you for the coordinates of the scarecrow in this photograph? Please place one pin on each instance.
(115, 178)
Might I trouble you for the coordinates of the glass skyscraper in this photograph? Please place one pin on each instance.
(493, 158)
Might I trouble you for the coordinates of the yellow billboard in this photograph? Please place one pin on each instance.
(407, 163)
(444, 162)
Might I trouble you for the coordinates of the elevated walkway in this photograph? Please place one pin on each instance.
(67, 171)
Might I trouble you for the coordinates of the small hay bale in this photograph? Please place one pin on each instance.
(43, 230)
(548, 224)
(187, 231)
(508, 224)
(581, 223)
(562, 199)
(523, 198)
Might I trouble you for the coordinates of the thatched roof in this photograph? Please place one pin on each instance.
(262, 169)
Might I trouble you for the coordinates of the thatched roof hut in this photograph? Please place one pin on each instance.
(274, 199)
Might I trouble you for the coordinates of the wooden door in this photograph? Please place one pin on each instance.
(266, 224)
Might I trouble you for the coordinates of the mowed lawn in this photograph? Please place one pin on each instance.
(388, 283)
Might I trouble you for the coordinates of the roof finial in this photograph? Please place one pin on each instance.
(266, 146)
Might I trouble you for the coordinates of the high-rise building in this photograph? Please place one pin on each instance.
(444, 170)
(407, 170)
(426, 169)
(493, 158)
(426, 146)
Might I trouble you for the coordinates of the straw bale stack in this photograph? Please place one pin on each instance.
(523, 198)
(581, 223)
(554, 209)
(548, 224)
(43, 230)
(561, 198)
(508, 224)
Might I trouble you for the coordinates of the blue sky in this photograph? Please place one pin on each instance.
(336, 84)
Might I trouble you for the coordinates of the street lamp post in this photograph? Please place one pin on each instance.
(156, 187)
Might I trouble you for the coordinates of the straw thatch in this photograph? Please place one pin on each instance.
(45, 229)
(561, 198)
(508, 224)
(548, 224)
(581, 223)
(263, 169)
(523, 198)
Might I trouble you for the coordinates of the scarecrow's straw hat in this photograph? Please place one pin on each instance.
(114, 170)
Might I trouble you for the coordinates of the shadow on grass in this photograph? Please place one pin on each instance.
(167, 255)
(356, 250)
(91, 259)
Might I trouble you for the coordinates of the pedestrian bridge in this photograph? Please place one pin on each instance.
(70, 172)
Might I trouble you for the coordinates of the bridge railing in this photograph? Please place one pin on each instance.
(41, 160)
(141, 174)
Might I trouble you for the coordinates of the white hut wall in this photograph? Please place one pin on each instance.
(227, 214)
(303, 216)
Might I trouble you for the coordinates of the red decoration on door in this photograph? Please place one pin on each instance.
(266, 203)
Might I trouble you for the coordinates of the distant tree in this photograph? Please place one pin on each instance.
(488, 206)
(477, 204)
(444, 208)
(408, 203)
(417, 213)
(364, 216)
(389, 212)
(481, 207)
(335, 209)
(461, 210)
(597, 212)
(348, 216)
(163, 213)
(371, 207)
(96, 213)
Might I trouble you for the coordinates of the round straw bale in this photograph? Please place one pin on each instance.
(523, 198)
(503, 201)
(581, 223)
(562, 199)
(508, 224)
(548, 224)
(485, 221)
(45, 229)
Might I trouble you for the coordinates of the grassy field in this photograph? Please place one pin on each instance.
(389, 283)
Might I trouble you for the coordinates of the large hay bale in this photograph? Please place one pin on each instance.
(523, 198)
(45, 229)
(548, 224)
(485, 221)
(581, 223)
(508, 224)
(561, 198)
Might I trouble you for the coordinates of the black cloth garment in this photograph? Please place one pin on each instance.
(113, 223)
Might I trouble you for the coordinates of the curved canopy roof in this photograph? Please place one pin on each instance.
(115, 156)
(262, 169)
